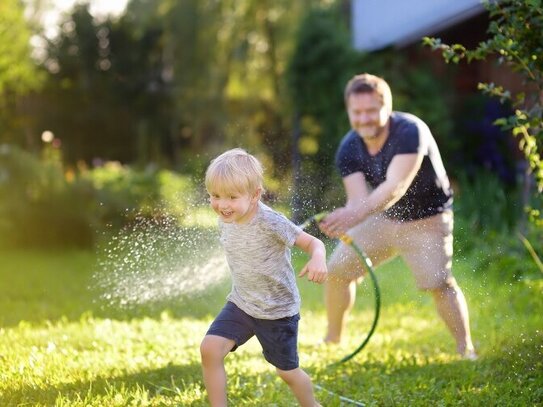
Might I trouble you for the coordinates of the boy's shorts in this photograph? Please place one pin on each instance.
(426, 245)
(278, 337)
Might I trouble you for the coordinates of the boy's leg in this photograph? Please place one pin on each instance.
(279, 340)
(213, 350)
(300, 384)
(230, 329)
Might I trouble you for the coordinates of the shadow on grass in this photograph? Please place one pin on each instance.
(513, 377)
(509, 376)
(169, 381)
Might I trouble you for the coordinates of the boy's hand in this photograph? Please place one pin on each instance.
(316, 271)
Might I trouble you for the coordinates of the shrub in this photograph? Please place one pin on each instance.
(38, 206)
(124, 193)
(487, 216)
(42, 205)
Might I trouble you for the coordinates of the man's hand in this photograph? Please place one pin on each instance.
(338, 222)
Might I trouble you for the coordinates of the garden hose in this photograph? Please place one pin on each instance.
(366, 262)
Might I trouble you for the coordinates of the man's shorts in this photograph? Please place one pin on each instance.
(426, 245)
(278, 337)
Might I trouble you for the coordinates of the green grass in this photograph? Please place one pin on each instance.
(60, 346)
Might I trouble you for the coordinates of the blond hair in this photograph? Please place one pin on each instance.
(234, 171)
(367, 83)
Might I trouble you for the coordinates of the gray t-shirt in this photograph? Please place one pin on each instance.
(258, 253)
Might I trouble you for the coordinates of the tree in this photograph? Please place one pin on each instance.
(18, 73)
(105, 96)
(318, 70)
(17, 70)
(515, 39)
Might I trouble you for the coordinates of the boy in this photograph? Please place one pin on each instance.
(264, 300)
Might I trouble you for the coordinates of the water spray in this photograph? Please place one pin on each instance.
(366, 263)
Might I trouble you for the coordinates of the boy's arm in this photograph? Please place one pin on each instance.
(315, 268)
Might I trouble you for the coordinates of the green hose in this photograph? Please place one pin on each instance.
(366, 262)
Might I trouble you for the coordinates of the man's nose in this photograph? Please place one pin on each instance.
(364, 118)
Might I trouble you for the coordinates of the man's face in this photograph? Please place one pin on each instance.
(367, 115)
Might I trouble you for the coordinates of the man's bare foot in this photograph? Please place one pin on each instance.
(469, 354)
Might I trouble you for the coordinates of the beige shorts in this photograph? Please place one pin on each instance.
(426, 245)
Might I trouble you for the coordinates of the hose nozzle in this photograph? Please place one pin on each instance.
(315, 218)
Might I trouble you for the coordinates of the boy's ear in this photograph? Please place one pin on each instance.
(258, 193)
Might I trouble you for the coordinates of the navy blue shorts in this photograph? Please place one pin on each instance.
(278, 337)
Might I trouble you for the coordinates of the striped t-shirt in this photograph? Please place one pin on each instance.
(259, 257)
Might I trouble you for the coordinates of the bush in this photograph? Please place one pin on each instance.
(487, 204)
(38, 206)
(123, 193)
(42, 205)
(487, 217)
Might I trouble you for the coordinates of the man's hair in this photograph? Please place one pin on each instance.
(367, 83)
(234, 171)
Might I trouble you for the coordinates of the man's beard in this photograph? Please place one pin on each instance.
(374, 131)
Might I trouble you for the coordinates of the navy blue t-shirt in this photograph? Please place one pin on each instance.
(429, 193)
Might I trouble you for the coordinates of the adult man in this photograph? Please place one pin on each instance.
(398, 203)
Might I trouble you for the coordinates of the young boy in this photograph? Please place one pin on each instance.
(264, 300)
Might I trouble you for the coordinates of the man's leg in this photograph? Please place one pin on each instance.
(427, 247)
(452, 308)
(339, 296)
(345, 270)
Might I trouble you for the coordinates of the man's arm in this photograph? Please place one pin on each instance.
(360, 204)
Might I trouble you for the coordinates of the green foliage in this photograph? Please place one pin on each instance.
(320, 66)
(515, 40)
(38, 206)
(17, 71)
(105, 95)
(60, 347)
(485, 203)
(43, 204)
(170, 79)
(500, 254)
(487, 218)
(19, 76)
(124, 193)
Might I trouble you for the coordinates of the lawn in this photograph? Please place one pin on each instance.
(61, 344)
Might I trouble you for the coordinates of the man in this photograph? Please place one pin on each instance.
(398, 203)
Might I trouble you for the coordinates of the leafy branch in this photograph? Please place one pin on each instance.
(515, 40)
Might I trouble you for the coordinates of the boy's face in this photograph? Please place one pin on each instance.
(234, 207)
